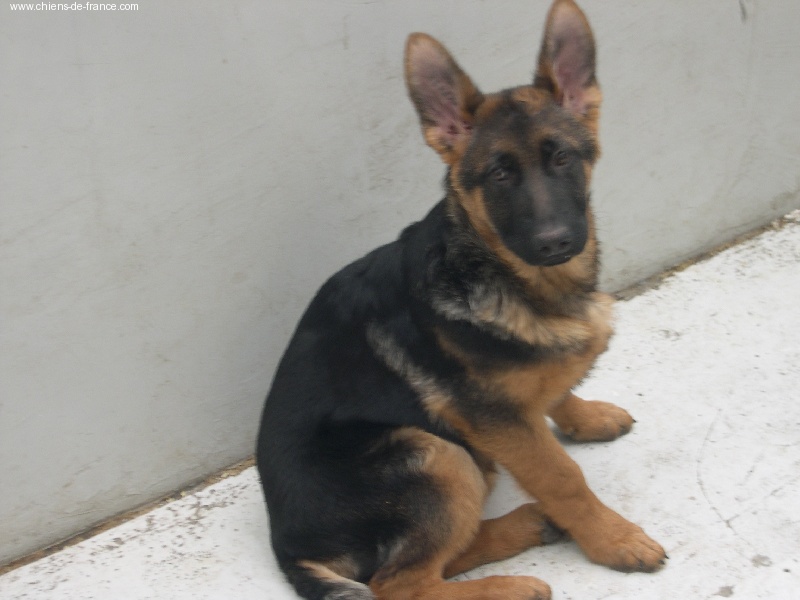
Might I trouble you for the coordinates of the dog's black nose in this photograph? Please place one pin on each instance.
(554, 244)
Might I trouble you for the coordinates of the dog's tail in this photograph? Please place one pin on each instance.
(315, 581)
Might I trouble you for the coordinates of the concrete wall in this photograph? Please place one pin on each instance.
(177, 181)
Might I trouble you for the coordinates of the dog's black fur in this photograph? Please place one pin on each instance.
(334, 400)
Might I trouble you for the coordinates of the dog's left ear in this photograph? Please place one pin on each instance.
(566, 66)
(443, 94)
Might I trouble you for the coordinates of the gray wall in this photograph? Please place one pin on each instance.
(177, 181)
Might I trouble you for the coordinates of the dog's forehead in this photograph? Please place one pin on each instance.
(521, 119)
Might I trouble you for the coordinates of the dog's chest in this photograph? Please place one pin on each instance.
(575, 342)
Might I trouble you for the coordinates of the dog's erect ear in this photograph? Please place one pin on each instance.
(444, 96)
(566, 65)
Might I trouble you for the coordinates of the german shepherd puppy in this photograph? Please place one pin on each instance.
(421, 366)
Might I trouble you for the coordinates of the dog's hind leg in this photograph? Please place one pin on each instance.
(590, 420)
(524, 527)
(418, 562)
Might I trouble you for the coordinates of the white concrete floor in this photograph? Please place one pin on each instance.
(709, 365)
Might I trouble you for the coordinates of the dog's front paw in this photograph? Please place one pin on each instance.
(602, 422)
(592, 420)
(624, 546)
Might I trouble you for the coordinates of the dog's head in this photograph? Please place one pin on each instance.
(520, 160)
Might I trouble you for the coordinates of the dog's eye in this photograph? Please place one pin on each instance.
(499, 174)
(502, 170)
(561, 158)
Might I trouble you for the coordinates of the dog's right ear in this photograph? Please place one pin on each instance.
(444, 96)
(566, 66)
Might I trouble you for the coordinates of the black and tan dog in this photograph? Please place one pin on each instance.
(418, 368)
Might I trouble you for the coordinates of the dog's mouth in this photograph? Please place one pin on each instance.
(539, 259)
(559, 259)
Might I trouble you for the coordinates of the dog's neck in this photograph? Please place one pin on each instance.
(559, 289)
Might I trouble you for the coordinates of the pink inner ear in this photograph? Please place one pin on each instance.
(444, 117)
(570, 48)
(451, 129)
(572, 71)
(441, 108)
(571, 85)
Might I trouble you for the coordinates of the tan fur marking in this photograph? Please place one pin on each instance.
(420, 585)
(507, 316)
(533, 98)
(535, 458)
(489, 105)
(516, 318)
(342, 568)
(432, 395)
(454, 470)
(557, 482)
(591, 119)
(539, 385)
(465, 486)
(344, 586)
(504, 537)
(537, 388)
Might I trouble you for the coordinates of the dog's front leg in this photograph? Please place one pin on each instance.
(537, 460)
